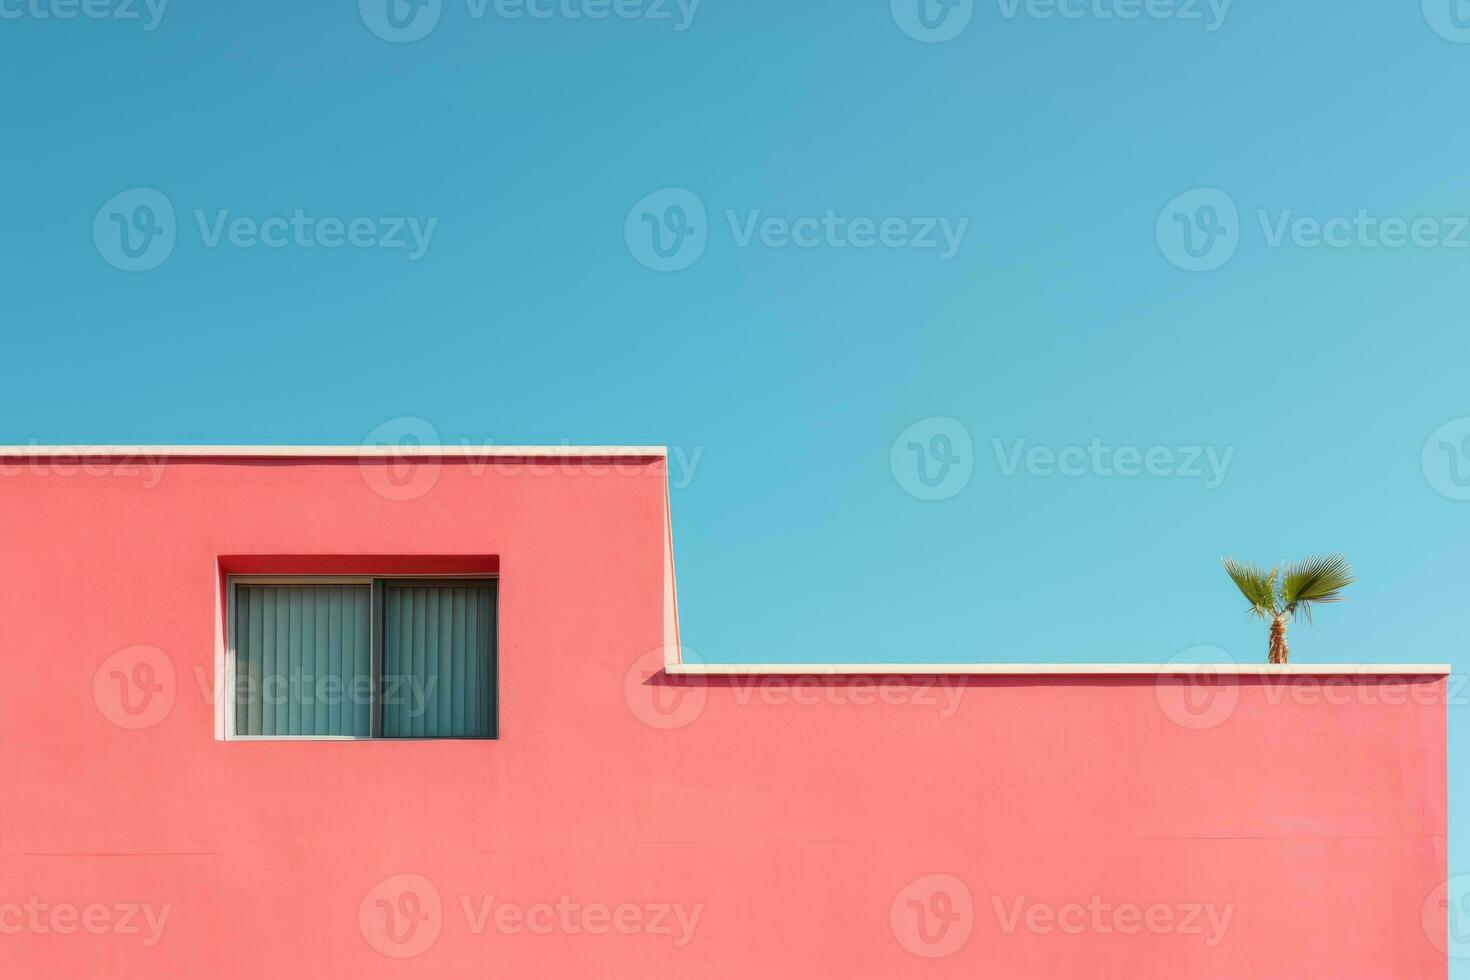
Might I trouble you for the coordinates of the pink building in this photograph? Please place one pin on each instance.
(298, 713)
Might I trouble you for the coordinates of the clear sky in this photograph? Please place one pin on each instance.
(841, 257)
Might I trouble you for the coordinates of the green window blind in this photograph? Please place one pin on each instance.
(380, 658)
(303, 660)
(439, 660)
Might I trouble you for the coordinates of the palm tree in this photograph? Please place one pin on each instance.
(1289, 591)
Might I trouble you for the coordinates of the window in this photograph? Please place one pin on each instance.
(362, 658)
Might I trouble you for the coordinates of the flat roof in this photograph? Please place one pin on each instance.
(319, 452)
(709, 670)
(1251, 670)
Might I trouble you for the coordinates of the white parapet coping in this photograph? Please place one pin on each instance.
(322, 452)
(1242, 670)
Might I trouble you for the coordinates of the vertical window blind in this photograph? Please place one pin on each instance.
(380, 658)
(439, 641)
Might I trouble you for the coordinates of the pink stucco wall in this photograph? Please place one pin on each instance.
(628, 826)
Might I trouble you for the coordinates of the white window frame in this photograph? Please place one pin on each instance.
(376, 583)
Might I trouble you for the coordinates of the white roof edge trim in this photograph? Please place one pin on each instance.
(1268, 670)
(321, 452)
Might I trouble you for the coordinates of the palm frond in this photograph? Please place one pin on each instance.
(1255, 583)
(1312, 580)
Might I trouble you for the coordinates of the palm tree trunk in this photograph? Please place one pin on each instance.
(1278, 653)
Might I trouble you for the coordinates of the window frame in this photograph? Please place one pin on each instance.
(378, 585)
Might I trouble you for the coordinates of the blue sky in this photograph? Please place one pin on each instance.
(801, 163)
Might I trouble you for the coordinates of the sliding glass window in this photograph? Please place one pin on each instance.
(363, 658)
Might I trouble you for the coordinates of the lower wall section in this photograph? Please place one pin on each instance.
(629, 824)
